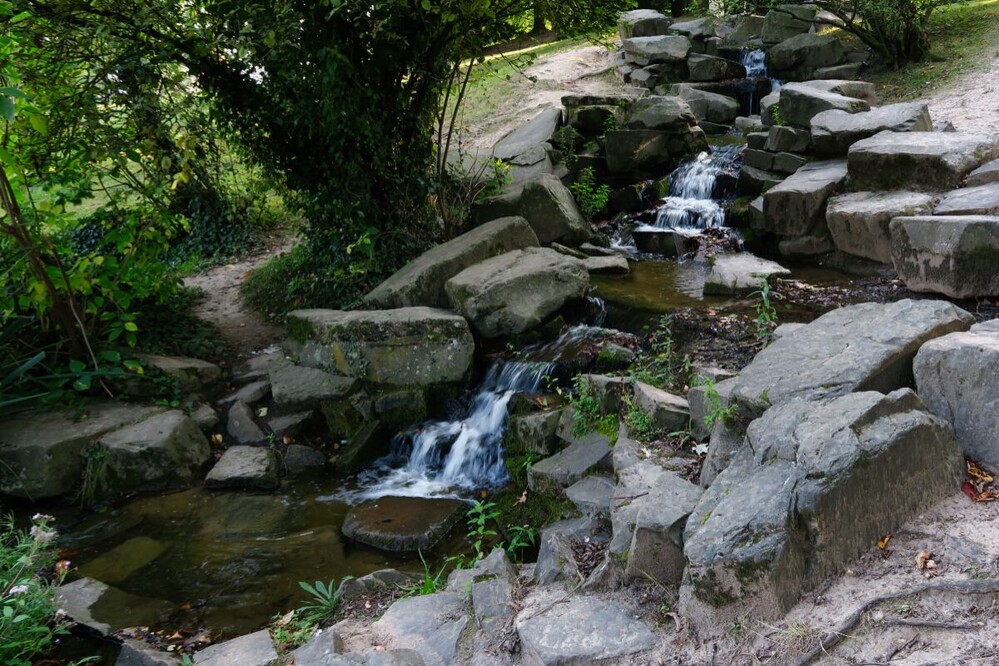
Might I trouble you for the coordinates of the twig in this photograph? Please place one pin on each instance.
(904, 646)
(930, 624)
(631, 497)
(959, 587)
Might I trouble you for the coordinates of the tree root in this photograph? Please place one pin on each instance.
(959, 587)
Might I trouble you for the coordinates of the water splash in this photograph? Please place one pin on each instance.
(755, 62)
(690, 205)
(442, 458)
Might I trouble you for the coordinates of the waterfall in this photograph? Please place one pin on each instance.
(755, 62)
(464, 454)
(690, 205)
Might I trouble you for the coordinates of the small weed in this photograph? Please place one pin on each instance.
(325, 599)
(480, 515)
(592, 198)
(715, 411)
(640, 424)
(521, 537)
(431, 581)
(766, 313)
(662, 366)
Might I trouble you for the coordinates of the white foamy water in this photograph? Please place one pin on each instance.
(689, 204)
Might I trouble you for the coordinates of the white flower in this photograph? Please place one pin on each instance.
(42, 518)
(42, 535)
(19, 589)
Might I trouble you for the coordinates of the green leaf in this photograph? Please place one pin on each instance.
(38, 123)
(7, 109)
(77, 366)
(131, 326)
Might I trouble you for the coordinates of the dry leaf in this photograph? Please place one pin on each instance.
(217, 438)
(883, 541)
(286, 618)
(922, 557)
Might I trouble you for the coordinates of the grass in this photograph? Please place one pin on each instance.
(963, 37)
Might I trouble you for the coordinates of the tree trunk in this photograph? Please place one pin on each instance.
(539, 17)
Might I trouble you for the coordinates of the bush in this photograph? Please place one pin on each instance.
(28, 613)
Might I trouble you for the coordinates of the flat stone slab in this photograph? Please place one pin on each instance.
(956, 377)
(254, 649)
(528, 137)
(301, 385)
(616, 265)
(864, 347)
(642, 23)
(253, 392)
(922, 161)
(591, 495)
(797, 205)
(107, 609)
(833, 132)
(987, 173)
(122, 561)
(644, 51)
(583, 630)
(859, 221)
(957, 256)
(430, 625)
(978, 200)
(242, 427)
(138, 653)
(516, 291)
(740, 274)
(421, 281)
(244, 467)
(193, 374)
(402, 524)
(667, 411)
(404, 346)
(799, 103)
(551, 475)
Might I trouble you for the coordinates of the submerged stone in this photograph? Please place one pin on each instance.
(741, 274)
(107, 609)
(402, 524)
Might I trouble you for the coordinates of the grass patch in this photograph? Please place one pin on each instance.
(962, 38)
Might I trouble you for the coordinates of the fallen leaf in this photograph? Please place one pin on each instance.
(922, 557)
(262, 412)
(185, 607)
(217, 438)
(286, 618)
(883, 542)
(523, 498)
(975, 470)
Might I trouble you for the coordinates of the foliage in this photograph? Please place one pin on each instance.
(592, 198)
(640, 424)
(480, 515)
(776, 115)
(766, 313)
(521, 538)
(587, 415)
(325, 599)
(432, 581)
(662, 366)
(28, 611)
(715, 412)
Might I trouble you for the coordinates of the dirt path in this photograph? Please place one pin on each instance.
(971, 103)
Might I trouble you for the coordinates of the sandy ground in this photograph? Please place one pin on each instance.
(929, 628)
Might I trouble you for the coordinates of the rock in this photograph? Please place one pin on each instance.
(987, 173)
(292, 425)
(848, 70)
(137, 653)
(568, 251)
(758, 159)
(107, 609)
(788, 163)
(797, 206)
(583, 630)
(402, 524)
(251, 393)
(402, 347)
(747, 28)
(833, 132)
(42, 451)
(864, 347)
(294, 385)
(807, 51)
(492, 600)
(656, 548)
(666, 114)
(919, 161)
(815, 485)
(555, 557)
(755, 181)
(256, 366)
(244, 467)
(859, 221)
(162, 451)
(532, 433)
(495, 566)
(848, 88)
(769, 106)
(616, 265)
(516, 291)
(596, 251)
(373, 658)
(643, 51)
(799, 103)
(321, 650)
(663, 242)
(206, 417)
(703, 402)
(749, 124)
(592, 495)
(786, 21)
(643, 152)
(551, 475)
(805, 246)
(254, 649)
(978, 200)
(421, 281)
(782, 139)
(117, 564)
(740, 274)
(668, 412)
(528, 139)
(299, 459)
(241, 426)
(545, 203)
(192, 374)
(368, 444)
(956, 378)
(709, 106)
(696, 29)
(609, 392)
(712, 68)
(642, 23)
(957, 256)
(431, 625)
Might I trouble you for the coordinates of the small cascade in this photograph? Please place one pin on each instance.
(442, 457)
(690, 205)
(755, 62)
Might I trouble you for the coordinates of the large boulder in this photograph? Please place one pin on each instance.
(713, 68)
(932, 161)
(858, 221)
(642, 23)
(431, 625)
(797, 205)
(747, 28)
(804, 53)
(799, 103)
(848, 88)
(741, 274)
(786, 21)
(977, 200)
(421, 281)
(956, 378)
(864, 347)
(834, 131)
(956, 256)
(643, 51)
(664, 114)
(525, 144)
(709, 106)
(42, 452)
(547, 205)
(516, 291)
(404, 346)
(696, 29)
(665, 410)
(815, 485)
